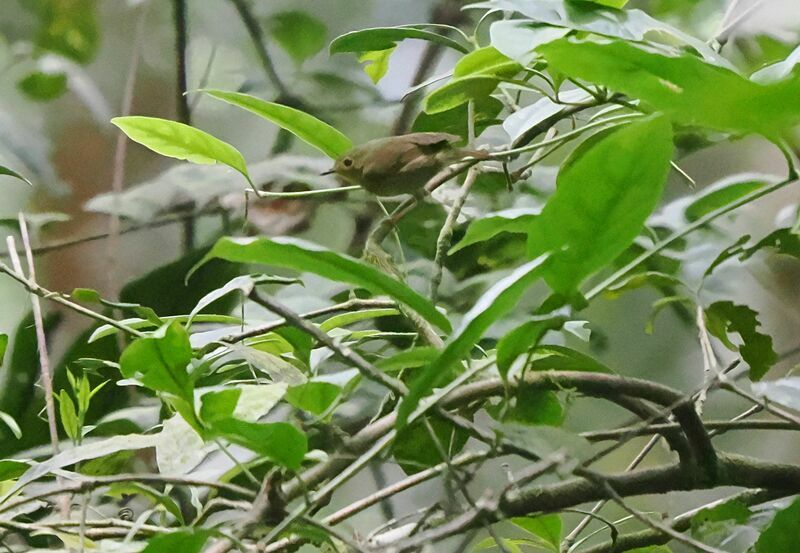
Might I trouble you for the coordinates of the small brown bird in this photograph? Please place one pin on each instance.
(400, 164)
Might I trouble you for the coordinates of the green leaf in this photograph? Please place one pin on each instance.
(605, 192)
(3, 346)
(460, 91)
(384, 38)
(534, 406)
(376, 63)
(306, 127)
(454, 121)
(69, 418)
(408, 359)
(11, 469)
(685, 87)
(12, 425)
(492, 305)
(345, 319)
(544, 441)
(609, 3)
(314, 397)
(278, 441)
(305, 256)
(783, 533)
(43, 86)
(179, 141)
(725, 317)
(517, 220)
(122, 489)
(719, 520)
(185, 541)
(486, 61)
(561, 358)
(297, 32)
(218, 404)
(546, 527)
(523, 338)
(785, 391)
(160, 361)
(719, 195)
(10, 173)
(540, 113)
(243, 284)
(415, 449)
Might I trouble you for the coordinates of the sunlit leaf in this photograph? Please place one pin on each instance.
(278, 441)
(783, 533)
(314, 397)
(173, 139)
(376, 63)
(304, 126)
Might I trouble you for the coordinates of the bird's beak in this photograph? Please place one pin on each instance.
(328, 172)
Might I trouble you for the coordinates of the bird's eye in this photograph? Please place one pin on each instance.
(347, 162)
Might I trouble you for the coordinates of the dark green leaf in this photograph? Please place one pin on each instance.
(305, 256)
(314, 397)
(725, 317)
(304, 126)
(783, 533)
(523, 338)
(3, 346)
(160, 361)
(11, 469)
(561, 358)
(173, 139)
(43, 86)
(384, 38)
(546, 527)
(605, 192)
(685, 87)
(298, 32)
(454, 121)
(185, 541)
(511, 220)
(408, 359)
(415, 450)
(495, 302)
(278, 441)
(535, 406)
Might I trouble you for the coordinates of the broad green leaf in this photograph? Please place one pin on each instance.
(719, 520)
(43, 86)
(161, 361)
(279, 441)
(662, 303)
(725, 317)
(314, 397)
(561, 358)
(784, 241)
(3, 346)
(454, 121)
(546, 527)
(408, 359)
(540, 113)
(783, 533)
(306, 127)
(185, 541)
(492, 305)
(460, 91)
(785, 391)
(345, 319)
(10, 173)
(486, 61)
(534, 406)
(218, 404)
(523, 338)
(279, 370)
(384, 38)
(414, 448)
(11, 469)
(376, 63)
(684, 87)
(605, 192)
(308, 257)
(721, 194)
(179, 141)
(517, 220)
(629, 25)
(299, 33)
(778, 71)
(12, 425)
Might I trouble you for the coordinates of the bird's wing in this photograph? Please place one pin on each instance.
(433, 138)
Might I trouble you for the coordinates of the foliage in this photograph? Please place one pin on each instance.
(307, 332)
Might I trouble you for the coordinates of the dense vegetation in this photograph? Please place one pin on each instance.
(260, 392)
